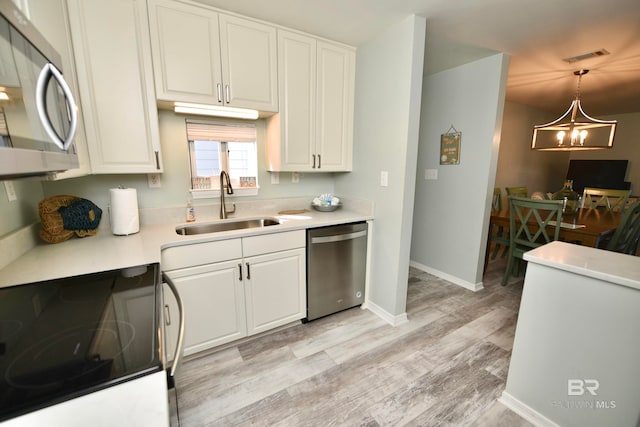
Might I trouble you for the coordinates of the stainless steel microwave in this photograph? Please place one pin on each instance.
(38, 115)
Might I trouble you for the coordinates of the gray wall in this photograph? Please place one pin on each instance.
(545, 171)
(452, 213)
(387, 105)
(176, 176)
(23, 211)
(518, 165)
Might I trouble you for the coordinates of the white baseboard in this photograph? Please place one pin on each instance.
(526, 412)
(391, 319)
(448, 277)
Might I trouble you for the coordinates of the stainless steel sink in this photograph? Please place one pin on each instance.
(227, 225)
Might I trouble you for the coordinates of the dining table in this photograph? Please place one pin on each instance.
(587, 227)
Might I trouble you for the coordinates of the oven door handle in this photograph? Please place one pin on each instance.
(179, 346)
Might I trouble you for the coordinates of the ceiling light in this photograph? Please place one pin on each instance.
(215, 110)
(574, 130)
(4, 96)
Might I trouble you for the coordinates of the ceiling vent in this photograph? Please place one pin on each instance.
(582, 57)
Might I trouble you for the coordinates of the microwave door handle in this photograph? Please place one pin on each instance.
(46, 73)
(179, 346)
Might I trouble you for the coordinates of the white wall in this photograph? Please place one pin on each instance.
(452, 213)
(518, 165)
(387, 105)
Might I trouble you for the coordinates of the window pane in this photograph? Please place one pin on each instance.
(207, 158)
(242, 159)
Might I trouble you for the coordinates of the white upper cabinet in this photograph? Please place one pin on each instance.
(313, 131)
(207, 57)
(115, 78)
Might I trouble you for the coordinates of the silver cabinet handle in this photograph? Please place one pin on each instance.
(319, 161)
(227, 90)
(180, 345)
(219, 87)
(48, 71)
(314, 161)
(157, 160)
(248, 272)
(240, 269)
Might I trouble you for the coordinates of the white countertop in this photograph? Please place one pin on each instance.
(608, 266)
(106, 251)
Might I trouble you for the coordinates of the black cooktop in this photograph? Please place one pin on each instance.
(63, 338)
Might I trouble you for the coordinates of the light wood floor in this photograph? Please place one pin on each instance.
(446, 366)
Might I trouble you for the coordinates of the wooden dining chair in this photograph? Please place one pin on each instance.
(613, 200)
(517, 191)
(626, 236)
(528, 222)
(499, 236)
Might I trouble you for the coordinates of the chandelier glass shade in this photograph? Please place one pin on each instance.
(574, 130)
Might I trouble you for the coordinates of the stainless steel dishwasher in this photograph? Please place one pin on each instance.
(336, 268)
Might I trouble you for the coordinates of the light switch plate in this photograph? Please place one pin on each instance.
(11, 191)
(431, 174)
(295, 177)
(384, 179)
(275, 178)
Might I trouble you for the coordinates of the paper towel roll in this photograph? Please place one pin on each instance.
(124, 211)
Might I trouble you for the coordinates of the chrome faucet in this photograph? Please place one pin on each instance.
(225, 181)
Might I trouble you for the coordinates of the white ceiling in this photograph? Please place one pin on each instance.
(537, 34)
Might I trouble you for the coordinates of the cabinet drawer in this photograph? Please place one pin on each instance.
(266, 243)
(200, 253)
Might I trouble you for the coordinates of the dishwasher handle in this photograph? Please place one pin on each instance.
(338, 237)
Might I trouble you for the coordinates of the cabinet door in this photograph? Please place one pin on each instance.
(291, 146)
(275, 289)
(334, 122)
(117, 98)
(214, 306)
(249, 69)
(186, 52)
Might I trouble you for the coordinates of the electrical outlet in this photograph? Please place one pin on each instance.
(154, 180)
(11, 191)
(295, 177)
(275, 178)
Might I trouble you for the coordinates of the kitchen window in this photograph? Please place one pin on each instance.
(217, 146)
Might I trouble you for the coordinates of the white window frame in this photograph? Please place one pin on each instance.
(215, 192)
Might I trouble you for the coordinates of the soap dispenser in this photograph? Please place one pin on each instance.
(191, 213)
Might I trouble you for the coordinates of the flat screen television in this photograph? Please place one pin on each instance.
(598, 173)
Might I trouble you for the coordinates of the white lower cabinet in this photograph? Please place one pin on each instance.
(273, 294)
(213, 300)
(225, 300)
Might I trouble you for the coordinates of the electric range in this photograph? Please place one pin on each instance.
(65, 338)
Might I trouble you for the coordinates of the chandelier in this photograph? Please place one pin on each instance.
(574, 130)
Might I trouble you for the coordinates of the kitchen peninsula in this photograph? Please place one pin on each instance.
(575, 353)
